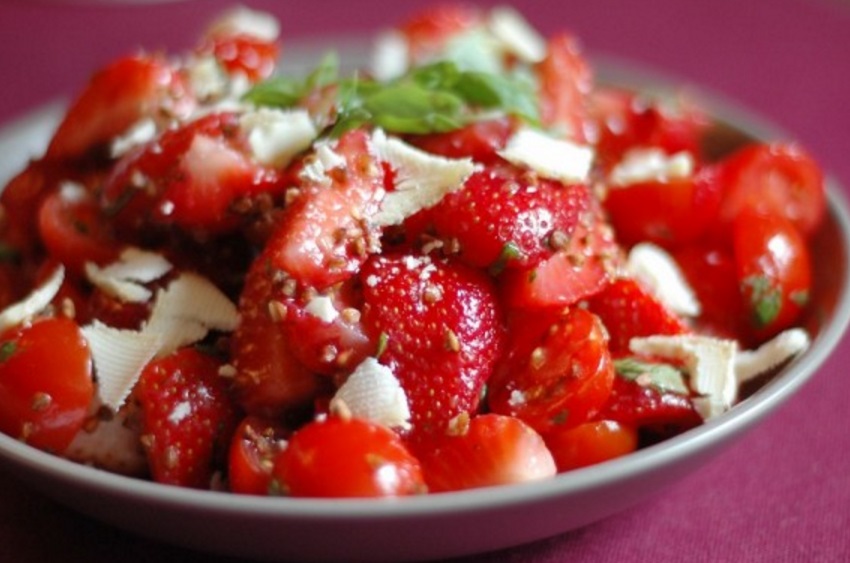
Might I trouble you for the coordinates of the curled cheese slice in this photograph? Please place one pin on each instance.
(33, 303)
(373, 392)
(552, 158)
(784, 346)
(422, 179)
(516, 35)
(658, 270)
(123, 279)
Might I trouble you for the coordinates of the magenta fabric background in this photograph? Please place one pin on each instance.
(781, 494)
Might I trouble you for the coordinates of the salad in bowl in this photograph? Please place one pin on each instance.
(470, 264)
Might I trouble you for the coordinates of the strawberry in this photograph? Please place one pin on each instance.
(639, 405)
(250, 56)
(442, 327)
(129, 89)
(627, 310)
(479, 140)
(323, 237)
(187, 418)
(580, 269)
(487, 450)
(507, 218)
(190, 177)
(557, 370)
(269, 380)
(565, 84)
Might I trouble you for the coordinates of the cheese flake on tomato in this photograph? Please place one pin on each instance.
(421, 179)
(556, 159)
(276, 136)
(373, 392)
(652, 164)
(37, 300)
(653, 266)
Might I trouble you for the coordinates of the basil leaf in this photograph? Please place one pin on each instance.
(441, 75)
(409, 108)
(287, 91)
(663, 378)
(499, 92)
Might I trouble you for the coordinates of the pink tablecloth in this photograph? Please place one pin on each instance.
(781, 494)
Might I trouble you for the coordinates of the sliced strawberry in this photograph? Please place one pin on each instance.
(190, 177)
(188, 418)
(269, 380)
(347, 457)
(580, 269)
(557, 370)
(506, 218)
(479, 140)
(646, 406)
(323, 236)
(118, 96)
(565, 83)
(442, 327)
(627, 310)
(488, 450)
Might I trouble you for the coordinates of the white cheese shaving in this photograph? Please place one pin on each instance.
(325, 159)
(653, 266)
(373, 392)
(782, 347)
(123, 279)
(112, 444)
(422, 179)
(23, 310)
(72, 192)
(709, 361)
(322, 307)
(552, 158)
(140, 133)
(119, 357)
(207, 79)
(516, 35)
(389, 56)
(276, 136)
(651, 164)
(244, 21)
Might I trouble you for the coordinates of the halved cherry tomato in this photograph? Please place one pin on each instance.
(46, 383)
(590, 443)
(778, 179)
(339, 457)
(774, 270)
(555, 374)
(255, 445)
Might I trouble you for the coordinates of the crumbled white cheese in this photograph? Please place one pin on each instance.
(244, 21)
(422, 179)
(709, 361)
(325, 159)
(72, 192)
(140, 133)
(651, 164)
(516, 35)
(119, 357)
(373, 392)
(389, 56)
(552, 158)
(276, 136)
(782, 347)
(322, 307)
(653, 266)
(33, 303)
(123, 279)
(112, 443)
(207, 78)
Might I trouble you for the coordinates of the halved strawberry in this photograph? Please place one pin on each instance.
(565, 83)
(580, 269)
(323, 237)
(627, 310)
(187, 417)
(442, 327)
(190, 177)
(488, 450)
(118, 96)
(507, 218)
(479, 140)
(269, 380)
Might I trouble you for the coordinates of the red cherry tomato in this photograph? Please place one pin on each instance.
(590, 443)
(774, 271)
(255, 445)
(46, 383)
(777, 179)
(556, 373)
(339, 457)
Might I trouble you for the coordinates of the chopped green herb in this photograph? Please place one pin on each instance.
(510, 251)
(765, 299)
(800, 297)
(560, 417)
(662, 377)
(383, 339)
(7, 350)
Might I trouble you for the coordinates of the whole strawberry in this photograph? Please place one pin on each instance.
(439, 327)
(187, 417)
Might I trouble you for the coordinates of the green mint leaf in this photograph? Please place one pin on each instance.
(664, 378)
(765, 299)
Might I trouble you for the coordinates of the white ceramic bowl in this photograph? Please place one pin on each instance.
(440, 525)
